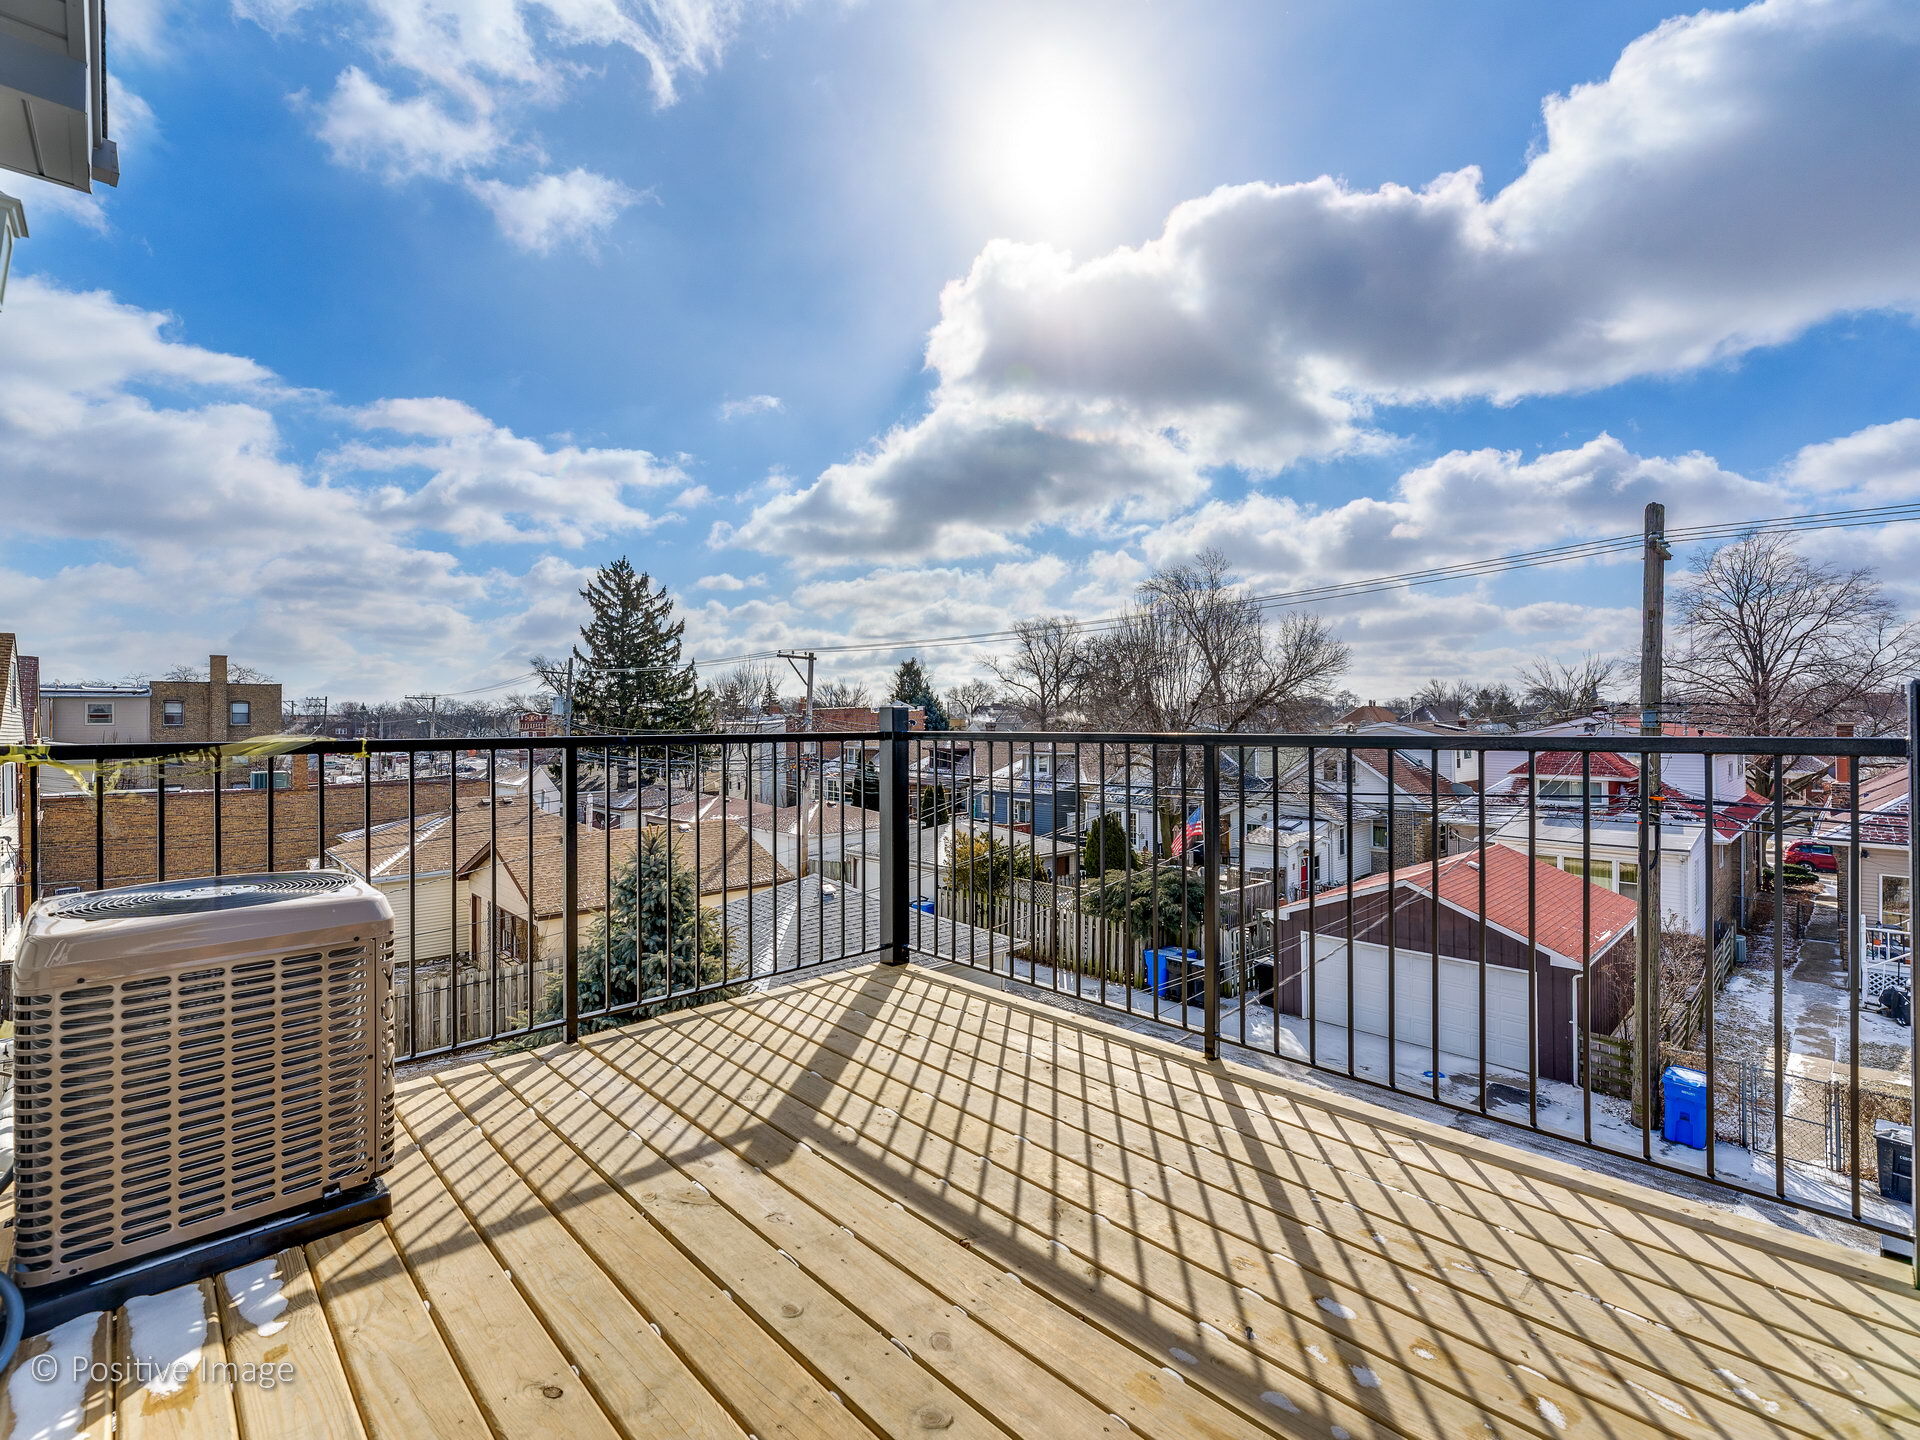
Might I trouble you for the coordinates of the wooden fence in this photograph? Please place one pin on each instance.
(453, 1002)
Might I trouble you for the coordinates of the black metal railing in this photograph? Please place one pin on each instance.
(1597, 938)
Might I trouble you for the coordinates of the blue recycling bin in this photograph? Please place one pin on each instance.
(1173, 973)
(1685, 1094)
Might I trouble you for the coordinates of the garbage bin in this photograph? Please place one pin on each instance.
(1175, 974)
(1893, 1151)
(1685, 1094)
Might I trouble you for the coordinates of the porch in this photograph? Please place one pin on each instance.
(892, 1201)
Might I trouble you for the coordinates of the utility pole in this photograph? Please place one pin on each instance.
(433, 714)
(792, 657)
(566, 702)
(1653, 625)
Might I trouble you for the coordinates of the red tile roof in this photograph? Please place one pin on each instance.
(1605, 765)
(1557, 898)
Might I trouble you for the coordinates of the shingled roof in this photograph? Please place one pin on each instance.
(1557, 898)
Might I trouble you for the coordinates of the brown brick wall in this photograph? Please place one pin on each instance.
(203, 721)
(65, 839)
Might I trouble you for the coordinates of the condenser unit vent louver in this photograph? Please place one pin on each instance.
(195, 1057)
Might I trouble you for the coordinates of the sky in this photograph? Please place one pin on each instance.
(873, 322)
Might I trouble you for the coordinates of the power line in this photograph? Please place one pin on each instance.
(1410, 579)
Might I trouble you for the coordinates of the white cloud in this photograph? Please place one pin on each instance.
(365, 126)
(721, 580)
(750, 405)
(1880, 463)
(487, 484)
(443, 88)
(188, 520)
(1737, 178)
(549, 210)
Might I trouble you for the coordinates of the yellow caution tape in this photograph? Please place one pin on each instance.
(107, 773)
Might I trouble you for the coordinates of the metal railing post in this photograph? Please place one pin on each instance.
(895, 899)
(1913, 935)
(570, 889)
(1210, 927)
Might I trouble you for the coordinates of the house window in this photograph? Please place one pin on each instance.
(1896, 900)
(1330, 770)
(1023, 812)
(99, 712)
(240, 712)
(1379, 834)
(1629, 882)
(1570, 789)
(173, 712)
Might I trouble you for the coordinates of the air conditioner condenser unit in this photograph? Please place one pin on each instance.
(203, 1077)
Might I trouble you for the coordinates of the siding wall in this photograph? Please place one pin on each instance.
(1461, 937)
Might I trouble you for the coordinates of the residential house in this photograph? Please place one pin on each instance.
(1526, 957)
(190, 713)
(1884, 908)
(1371, 713)
(1451, 763)
(776, 772)
(1598, 835)
(1035, 790)
(518, 888)
(1390, 800)
(421, 865)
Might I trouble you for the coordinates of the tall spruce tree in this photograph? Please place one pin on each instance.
(911, 687)
(1107, 847)
(629, 677)
(654, 937)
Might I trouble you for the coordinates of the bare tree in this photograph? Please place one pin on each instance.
(237, 674)
(1197, 653)
(1046, 671)
(1771, 643)
(746, 690)
(841, 695)
(968, 696)
(1557, 690)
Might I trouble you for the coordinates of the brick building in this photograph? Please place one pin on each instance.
(214, 709)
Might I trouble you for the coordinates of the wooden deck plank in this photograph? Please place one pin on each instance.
(1120, 1378)
(509, 1362)
(1287, 1134)
(1485, 1253)
(291, 1383)
(896, 1202)
(1435, 1211)
(638, 1380)
(896, 1288)
(1120, 1204)
(176, 1334)
(745, 1368)
(404, 1379)
(1649, 1221)
(59, 1399)
(880, 1381)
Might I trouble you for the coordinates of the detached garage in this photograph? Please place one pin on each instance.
(1507, 931)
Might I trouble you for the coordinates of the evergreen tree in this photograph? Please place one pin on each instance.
(911, 687)
(629, 678)
(1168, 909)
(984, 866)
(935, 806)
(1106, 848)
(653, 936)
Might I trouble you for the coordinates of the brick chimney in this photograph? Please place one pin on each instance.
(1843, 764)
(217, 697)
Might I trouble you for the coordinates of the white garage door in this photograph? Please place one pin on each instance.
(1413, 1001)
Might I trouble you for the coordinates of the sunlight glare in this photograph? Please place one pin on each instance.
(1050, 139)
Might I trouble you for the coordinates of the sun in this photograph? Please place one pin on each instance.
(1048, 137)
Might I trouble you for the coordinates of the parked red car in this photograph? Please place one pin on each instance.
(1813, 854)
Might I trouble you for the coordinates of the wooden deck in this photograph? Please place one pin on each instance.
(893, 1202)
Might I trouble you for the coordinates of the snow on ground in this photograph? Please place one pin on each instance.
(1618, 1146)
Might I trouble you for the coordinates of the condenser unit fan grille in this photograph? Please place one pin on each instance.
(188, 897)
(181, 1104)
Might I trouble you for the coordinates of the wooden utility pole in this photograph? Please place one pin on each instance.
(793, 657)
(1653, 626)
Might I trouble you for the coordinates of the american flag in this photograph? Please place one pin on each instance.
(1196, 827)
